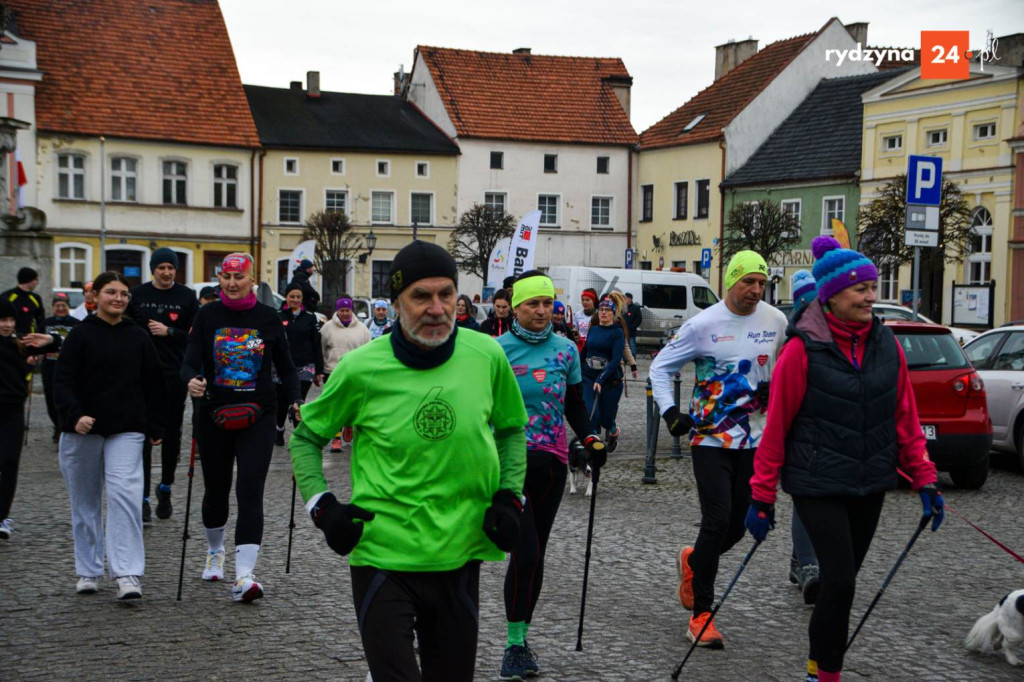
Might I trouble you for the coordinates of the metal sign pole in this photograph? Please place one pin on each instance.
(916, 286)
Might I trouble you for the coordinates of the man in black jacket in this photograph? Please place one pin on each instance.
(28, 306)
(300, 277)
(633, 316)
(166, 309)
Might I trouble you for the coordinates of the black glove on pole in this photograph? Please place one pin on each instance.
(337, 521)
(502, 520)
(679, 423)
(597, 453)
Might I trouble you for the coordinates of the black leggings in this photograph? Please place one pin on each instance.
(12, 434)
(545, 484)
(170, 448)
(440, 609)
(47, 369)
(723, 486)
(252, 449)
(841, 529)
(282, 401)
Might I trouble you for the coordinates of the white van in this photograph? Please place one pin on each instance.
(667, 298)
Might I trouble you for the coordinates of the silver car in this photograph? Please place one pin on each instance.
(998, 356)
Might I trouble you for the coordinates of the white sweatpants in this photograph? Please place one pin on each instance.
(87, 462)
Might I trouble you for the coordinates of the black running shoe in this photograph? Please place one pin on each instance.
(147, 513)
(163, 502)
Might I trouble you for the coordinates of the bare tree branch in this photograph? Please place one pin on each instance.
(479, 230)
(337, 245)
(760, 226)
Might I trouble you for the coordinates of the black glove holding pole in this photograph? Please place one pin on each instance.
(679, 423)
(337, 521)
(597, 453)
(502, 519)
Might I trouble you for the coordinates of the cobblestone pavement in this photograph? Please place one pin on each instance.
(305, 628)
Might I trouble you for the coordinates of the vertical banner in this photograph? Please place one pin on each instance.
(497, 263)
(524, 243)
(840, 232)
(305, 251)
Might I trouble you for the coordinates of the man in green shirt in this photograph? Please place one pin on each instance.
(438, 463)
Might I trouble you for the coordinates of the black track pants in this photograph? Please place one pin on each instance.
(252, 449)
(841, 529)
(47, 370)
(440, 609)
(723, 486)
(170, 449)
(545, 484)
(12, 434)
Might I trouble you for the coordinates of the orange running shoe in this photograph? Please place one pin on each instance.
(685, 574)
(711, 638)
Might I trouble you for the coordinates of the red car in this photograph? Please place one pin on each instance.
(950, 401)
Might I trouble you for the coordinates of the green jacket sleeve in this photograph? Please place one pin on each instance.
(509, 420)
(512, 457)
(307, 453)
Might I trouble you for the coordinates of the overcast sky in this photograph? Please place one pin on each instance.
(667, 45)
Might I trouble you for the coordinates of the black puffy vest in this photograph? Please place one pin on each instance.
(843, 440)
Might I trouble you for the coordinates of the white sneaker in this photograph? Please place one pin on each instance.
(246, 589)
(87, 585)
(128, 587)
(6, 529)
(214, 570)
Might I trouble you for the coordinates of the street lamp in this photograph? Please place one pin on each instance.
(371, 244)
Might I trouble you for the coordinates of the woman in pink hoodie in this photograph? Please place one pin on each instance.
(841, 419)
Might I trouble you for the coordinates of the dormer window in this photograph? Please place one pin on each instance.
(693, 124)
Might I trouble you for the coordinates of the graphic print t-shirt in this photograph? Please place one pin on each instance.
(543, 371)
(238, 356)
(732, 356)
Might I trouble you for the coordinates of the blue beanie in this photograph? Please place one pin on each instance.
(803, 286)
(161, 256)
(837, 268)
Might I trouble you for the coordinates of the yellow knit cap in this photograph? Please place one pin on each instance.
(741, 265)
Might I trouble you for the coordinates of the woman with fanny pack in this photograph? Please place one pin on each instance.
(602, 370)
(230, 349)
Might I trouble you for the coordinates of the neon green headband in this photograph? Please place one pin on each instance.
(741, 265)
(532, 287)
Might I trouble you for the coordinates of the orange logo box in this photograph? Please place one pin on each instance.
(945, 54)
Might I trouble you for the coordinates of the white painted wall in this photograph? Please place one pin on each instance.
(748, 131)
(423, 93)
(17, 100)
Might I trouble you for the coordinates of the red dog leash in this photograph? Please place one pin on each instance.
(975, 526)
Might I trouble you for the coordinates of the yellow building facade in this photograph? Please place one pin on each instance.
(967, 123)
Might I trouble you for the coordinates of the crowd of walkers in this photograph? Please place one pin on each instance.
(459, 443)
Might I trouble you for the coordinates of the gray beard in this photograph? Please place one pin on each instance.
(433, 343)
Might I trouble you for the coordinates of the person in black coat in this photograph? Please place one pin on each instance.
(303, 331)
(60, 324)
(464, 313)
(28, 306)
(501, 320)
(300, 278)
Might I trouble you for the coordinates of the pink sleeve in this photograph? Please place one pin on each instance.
(789, 383)
(913, 456)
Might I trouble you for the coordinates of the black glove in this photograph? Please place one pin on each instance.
(501, 520)
(336, 521)
(292, 410)
(679, 423)
(597, 453)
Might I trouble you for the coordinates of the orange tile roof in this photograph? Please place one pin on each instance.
(145, 70)
(721, 101)
(528, 97)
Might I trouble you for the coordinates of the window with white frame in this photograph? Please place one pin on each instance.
(985, 131)
(123, 178)
(421, 208)
(792, 207)
(422, 169)
(72, 264)
(937, 138)
(289, 206)
(601, 213)
(888, 283)
(832, 207)
(71, 176)
(547, 204)
(175, 180)
(383, 168)
(892, 143)
(291, 166)
(979, 263)
(336, 201)
(382, 208)
(496, 202)
(337, 166)
(225, 185)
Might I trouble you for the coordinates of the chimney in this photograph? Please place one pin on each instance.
(521, 50)
(400, 79)
(859, 32)
(732, 54)
(621, 86)
(313, 84)
(295, 86)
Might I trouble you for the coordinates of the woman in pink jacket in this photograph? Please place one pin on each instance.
(841, 419)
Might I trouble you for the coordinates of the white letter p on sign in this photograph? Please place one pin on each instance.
(924, 169)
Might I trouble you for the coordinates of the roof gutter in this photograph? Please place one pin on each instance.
(629, 200)
(721, 217)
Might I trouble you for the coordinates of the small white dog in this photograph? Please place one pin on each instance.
(578, 467)
(1002, 628)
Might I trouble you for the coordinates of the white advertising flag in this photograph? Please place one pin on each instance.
(497, 263)
(524, 242)
(304, 251)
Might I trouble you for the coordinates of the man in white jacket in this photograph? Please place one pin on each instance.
(342, 333)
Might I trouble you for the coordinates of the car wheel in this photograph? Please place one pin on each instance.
(970, 478)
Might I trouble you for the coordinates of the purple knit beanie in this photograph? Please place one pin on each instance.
(836, 268)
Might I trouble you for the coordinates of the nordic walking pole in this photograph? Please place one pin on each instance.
(594, 476)
(906, 550)
(28, 406)
(291, 529)
(743, 565)
(188, 498)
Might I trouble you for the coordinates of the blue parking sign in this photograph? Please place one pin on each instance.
(629, 259)
(705, 258)
(924, 180)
